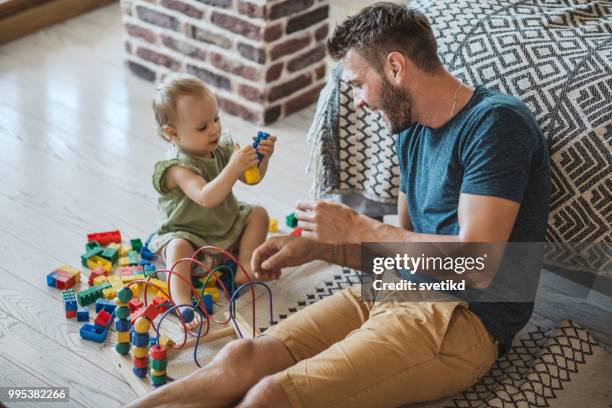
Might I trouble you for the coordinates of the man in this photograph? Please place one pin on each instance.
(474, 168)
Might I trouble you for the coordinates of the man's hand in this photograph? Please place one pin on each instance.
(330, 223)
(282, 252)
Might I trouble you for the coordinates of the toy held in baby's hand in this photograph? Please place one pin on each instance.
(252, 175)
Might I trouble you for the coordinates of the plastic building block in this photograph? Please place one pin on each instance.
(51, 279)
(124, 294)
(140, 339)
(140, 362)
(123, 251)
(122, 348)
(106, 305)
(135, 304)
(82, 314)
(130, 270)
(145, 253)
(91, 245)
(273, 225)
(149, 269)
(208, 302)
(96, 262)
(89, 295)
(133, 258)
(124, 261)
(297, 231)
(291, 220)
(93, 332)
(122, 325)
(136, 244)
(123, 336)
(90, 254)
(141, 325)
(160, 302)
(252, 175)
(150, 312)
(99, 271)
(166, 341)
(105, 238)
(63, 277)
(110, 254)
(140, 352)
(100, 280)
(67, 269)
(122, 312)
(70, 303)
(140, 372)
(131, 278)
(103, 318)
(214, 292)
(260, 136)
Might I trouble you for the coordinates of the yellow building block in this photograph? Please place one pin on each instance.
(214, 292)
(124, 261)
(135, 290)
(97, 261)
(252, 176)
(123, 337)
(158, 372)
(109, 293)
(114, 245)
(166, 341)
(273, 225)
(115, 282)
(71, 270)
(132, 278)
(99, 280)
(123, 251)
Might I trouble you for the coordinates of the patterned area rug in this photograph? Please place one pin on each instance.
(554, 367)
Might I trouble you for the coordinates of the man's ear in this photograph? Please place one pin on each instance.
(395, 67)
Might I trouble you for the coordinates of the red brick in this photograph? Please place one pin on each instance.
(272, 33)
(320, 71)
(322, 32)
(158, 58)
(210, 78)
(209, 37)
(252, 53)
(306, 20)
(289, 7)
(274, 72)
(234, 108)
(271, 114)
(307, 58)
(134, 30)
(251, 9)
(183, 47)
(289, 87)
(141, 71)
(157, 18)
(251, 93)
(229, 64)
(236, 25)
(218, 3)
(289, 47)
(302, 100)
(182, 7)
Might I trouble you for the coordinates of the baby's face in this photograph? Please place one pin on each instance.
(198, 126)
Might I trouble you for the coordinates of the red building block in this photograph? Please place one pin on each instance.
(64, 280)
(103, 318)
(99, 271)
(297, 231)
(135, 304)
(70, 314)
(105, 238)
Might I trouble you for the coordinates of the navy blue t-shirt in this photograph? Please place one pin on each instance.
(492, 147)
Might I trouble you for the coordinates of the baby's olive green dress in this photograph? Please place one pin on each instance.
(181, 217)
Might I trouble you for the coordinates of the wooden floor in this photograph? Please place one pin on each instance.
(79, 144)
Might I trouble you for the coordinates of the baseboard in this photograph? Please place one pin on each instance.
(32, 19)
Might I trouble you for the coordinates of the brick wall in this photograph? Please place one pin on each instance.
(263, 58)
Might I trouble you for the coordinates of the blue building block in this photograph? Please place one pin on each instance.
(140, 372)
(70, 302)
(51, 279)
(149, 269)
(145, 253)
(208, 302)
(93, 332)
(82, 314)
(106, 305)
(122, 325)
(260, 136)
(140, 339)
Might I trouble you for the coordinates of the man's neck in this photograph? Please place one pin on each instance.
(434, 99)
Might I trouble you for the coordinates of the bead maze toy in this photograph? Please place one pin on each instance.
(151, 316)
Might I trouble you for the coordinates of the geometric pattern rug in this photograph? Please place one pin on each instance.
(559, 366)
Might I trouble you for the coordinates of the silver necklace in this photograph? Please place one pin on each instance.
(455, 99)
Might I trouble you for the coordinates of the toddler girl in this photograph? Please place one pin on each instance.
(196, 204)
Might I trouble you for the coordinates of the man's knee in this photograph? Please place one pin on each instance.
(266, 393)
(238, 353)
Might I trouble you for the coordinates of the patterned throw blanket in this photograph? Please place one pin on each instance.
(554, 55)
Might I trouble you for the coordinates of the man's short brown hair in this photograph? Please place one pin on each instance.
(385, 27)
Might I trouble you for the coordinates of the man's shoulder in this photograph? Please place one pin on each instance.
(501, 107)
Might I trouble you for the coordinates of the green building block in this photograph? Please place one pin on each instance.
(291, 220)
(133, 258)
(91, 253)
(91, 245)
(90, 295)
(110, 254)
(136, 244)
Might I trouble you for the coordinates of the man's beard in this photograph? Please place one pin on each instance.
(396, 105)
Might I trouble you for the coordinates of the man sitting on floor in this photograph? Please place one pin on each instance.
(474, 168)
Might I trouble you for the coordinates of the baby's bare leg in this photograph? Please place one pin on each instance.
(253, 235)
(179, 248)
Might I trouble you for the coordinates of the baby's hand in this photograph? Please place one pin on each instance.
(266, 146)
(242, 159)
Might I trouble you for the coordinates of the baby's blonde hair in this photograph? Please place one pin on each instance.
(169, 91)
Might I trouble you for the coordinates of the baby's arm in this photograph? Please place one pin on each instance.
(210, 194)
